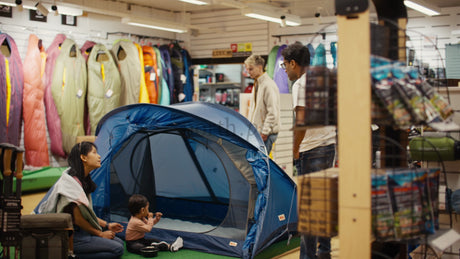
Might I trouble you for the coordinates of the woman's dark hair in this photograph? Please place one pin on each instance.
(136, 203)
(76, 165)
(297, 52)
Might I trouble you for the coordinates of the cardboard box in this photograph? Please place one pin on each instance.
(318, 203)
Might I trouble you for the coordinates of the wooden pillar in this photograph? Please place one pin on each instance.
(354, 135)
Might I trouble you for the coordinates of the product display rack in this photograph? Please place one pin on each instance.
(360, 227)
(225, 93)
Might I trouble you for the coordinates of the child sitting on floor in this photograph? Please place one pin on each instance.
(142, 222)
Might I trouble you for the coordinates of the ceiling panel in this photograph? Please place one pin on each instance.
(302, 8)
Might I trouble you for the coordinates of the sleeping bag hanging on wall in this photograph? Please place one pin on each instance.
(279, 75)
(69, 89)
(177, 66)
(271, 61)
(125, 53)
(188, 72)
(104, 85)
(52, 117)
(35, 142)
(167, 71)
(143, 93)
(150, 73)
(165, 95)
(12, 83)
(85, 50)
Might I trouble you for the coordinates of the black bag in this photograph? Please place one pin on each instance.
(46, 235)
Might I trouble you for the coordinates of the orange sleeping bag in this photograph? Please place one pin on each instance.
(151, 75)
(33, 105)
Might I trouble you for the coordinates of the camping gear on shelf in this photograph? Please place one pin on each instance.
(434, 148)
(10, 201)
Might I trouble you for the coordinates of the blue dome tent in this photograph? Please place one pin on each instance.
(204, 167)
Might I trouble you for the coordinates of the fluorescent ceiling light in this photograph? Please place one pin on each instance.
(291, 20)
(64, 10)
(197, 2)
(155, 25)
(422, 7)
(7, 3)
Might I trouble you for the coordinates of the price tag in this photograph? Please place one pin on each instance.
(79, 93)
(109, 93)
(153, 76)
(183, 78)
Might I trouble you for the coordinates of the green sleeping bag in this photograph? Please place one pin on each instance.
(68, 88)
(104, 84)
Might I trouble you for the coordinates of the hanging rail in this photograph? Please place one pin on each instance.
(144, 36)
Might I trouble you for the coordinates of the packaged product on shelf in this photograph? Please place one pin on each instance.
(427, 209)
(407, 202)
(382, 212)
(433, 189)
(439, 103)
(382, 84)
(413, 99)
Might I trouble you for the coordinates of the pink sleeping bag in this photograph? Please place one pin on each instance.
(52, 117)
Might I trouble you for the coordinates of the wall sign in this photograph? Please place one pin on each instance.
(6, 11)
(35, 15)
(241, 49)
(69, 20)
(222, 53)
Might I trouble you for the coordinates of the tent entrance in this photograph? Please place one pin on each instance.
(188, 176)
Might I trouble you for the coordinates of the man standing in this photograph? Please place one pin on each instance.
(314, 149)
(264, 107)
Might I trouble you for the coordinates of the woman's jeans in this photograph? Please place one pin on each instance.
(311, 161)
(88, 246)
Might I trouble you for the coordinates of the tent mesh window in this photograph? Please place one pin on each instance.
(194, 178)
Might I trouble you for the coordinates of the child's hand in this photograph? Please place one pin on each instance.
(150, 215)
(158, 215)
(115, 227)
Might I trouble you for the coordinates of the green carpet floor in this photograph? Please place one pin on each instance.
(270, 252)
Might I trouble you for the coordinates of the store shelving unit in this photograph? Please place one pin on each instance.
(225, 93)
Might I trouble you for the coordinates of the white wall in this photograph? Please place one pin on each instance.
(221, 28)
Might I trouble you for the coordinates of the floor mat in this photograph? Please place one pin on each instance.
(272, 251)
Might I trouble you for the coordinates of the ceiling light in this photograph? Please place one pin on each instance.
(288, 19)
(7, 3)
(197, 2)
(42, 9)
(64, 10)
(160, 25)
(423, 7)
